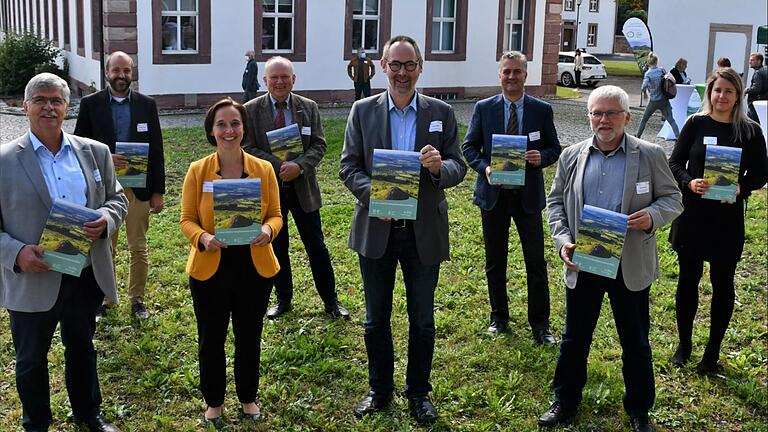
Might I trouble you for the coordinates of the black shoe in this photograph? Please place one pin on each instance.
(497, 327)
(681, 356)
(422, 409)
(556, 415)
(277, 309)
(139, 311)
(216, 423)
(250, 417)
(708, 367)
(101, 312)
(641, 424)
(336, 310)
(99, 424)
(372, 403)
(544, 337)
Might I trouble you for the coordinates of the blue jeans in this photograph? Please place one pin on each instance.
(630, 313)
(378, 284)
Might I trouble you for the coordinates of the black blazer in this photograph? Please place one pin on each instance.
(488, 119)
(95, 121)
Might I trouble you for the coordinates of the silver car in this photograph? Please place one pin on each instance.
(592, 69)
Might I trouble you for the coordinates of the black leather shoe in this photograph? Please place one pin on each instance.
(277, 309)
(681, 356)
(556, 415)
(139, 311)
(250, 417)
(102, 311)
(497, 327)
(372, 403)
(641, 424)
(99, 424)
(216, 423)
(336, 310)
(707, 367)
(422, 409)
(544, 337)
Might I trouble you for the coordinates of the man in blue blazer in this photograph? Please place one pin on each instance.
(514, 113)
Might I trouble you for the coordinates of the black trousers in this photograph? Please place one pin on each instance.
(721, 274)
(631, 316)
(235, 290)
(362, 88)
(496, 224)
(310, 230)
(32, 332)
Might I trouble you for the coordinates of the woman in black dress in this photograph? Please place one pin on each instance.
(709, 230)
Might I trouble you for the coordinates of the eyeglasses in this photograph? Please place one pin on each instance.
(610, 115)
(42, 101)
(395, 66)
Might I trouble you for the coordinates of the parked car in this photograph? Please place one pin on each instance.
(592, 70)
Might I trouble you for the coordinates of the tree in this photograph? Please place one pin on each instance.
(23, 56)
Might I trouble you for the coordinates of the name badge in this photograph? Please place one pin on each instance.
(97, 175)
(306, 130)
(141, 127)
(642, 187)
(534, 136)
(436, 126)
(710, 140)
(207, 186)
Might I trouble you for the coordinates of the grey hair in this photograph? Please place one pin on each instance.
(609, 92)
(514, 55)
(46, 81)
(275, 59)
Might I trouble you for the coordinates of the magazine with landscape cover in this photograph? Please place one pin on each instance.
(135, 174)
(721, 171)
(236, 210)
(508, 159)
(285, 143)
(394, 184)
(600, 241)
(64, 240)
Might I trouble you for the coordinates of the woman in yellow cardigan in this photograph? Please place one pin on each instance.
(228, 280)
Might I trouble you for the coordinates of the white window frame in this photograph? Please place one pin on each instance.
(443, 19)
(594, 5)
(366, 17)
(178, 14)
(276, 15)
(509, 10)
(568, 8)
(591, 26)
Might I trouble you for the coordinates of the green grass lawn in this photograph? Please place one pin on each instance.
(314, 370)
(567, 93)
(621, 68)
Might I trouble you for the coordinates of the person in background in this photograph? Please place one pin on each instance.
(229, 280)
(679, 71)
(723, 62)
(578, 64)
(652, 82)
(250, 76)
(758, 88)
(361, 70)
(710, 230)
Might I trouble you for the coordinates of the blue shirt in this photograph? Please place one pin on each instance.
(652, 83)
(62, 172)
(402, 125)
(121, 117)
(518, 108)
(603, 182)
(286, 111)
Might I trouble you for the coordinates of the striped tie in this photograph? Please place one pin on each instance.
(512, 124)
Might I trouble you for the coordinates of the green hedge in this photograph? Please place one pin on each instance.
(22, 56)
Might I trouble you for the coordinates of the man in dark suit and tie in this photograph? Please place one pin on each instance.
(514, 113)
(43, 165)
(119, 114)
(617, 172)
(300, 192)
(401, 119)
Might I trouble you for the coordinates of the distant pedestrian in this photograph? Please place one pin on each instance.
(652, 83)
(723, 62)
(578, 63)
(250, 76)
(758, 89)
(679, 71)
(360, 70)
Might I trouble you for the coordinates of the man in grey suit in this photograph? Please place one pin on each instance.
(621, 173)
(42, 165)
(401, 119)
(299, 192)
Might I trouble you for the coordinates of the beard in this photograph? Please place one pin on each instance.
(119, 85)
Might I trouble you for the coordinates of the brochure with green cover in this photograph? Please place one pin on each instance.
(395, 184)
(135, 174)
(508, 159)
(237, 210)
(285, 143)
(599, 241)
(66, 246)
(721, 171)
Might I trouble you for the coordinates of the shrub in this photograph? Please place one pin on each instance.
(22, 56)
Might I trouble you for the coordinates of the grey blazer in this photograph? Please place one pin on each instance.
(306, 115)
(645, 162)
(368, 128)
(24, 207)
